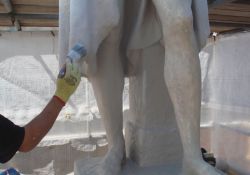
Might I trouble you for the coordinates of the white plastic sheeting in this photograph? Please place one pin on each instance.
(226, 99)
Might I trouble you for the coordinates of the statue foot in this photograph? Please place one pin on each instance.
(199, 167)
(113, 161)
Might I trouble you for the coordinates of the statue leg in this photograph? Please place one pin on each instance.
(108, 85)
(182, 77)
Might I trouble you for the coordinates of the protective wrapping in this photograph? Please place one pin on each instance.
(226, 100)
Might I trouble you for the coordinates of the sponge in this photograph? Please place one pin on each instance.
(77, 52)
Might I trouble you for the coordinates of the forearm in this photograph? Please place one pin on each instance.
(36, 129)
(40, 125)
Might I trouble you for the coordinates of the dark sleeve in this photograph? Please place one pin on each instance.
(11, 138)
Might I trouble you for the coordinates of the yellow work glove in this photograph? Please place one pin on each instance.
(68, 83)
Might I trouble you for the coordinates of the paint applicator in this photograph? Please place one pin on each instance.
(75, 55)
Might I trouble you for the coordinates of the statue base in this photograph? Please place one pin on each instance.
(89, 166)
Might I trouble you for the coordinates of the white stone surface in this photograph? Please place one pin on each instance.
(89, 167)
(151, 133)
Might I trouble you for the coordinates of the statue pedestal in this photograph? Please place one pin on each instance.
(90, 165)
(151, 132)
(152, 146)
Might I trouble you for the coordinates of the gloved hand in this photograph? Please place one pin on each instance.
(67, 84)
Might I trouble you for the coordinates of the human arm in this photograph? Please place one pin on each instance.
(36, 129)
(14, 137)
(24, 139)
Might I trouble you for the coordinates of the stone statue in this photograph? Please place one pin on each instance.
(114, 33)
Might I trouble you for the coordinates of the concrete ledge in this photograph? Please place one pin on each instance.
(89, 166)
